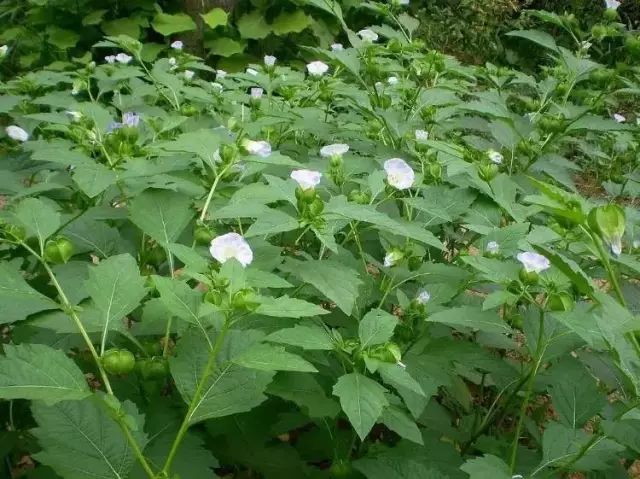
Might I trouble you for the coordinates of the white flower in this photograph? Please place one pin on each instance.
(131, 119)
(613, 4)
(256, 93)
(337, 149)
(402, 2)
(533, 262)
(123, 58)
(74, 115)
(368, 36)
(585, 45)
(392, 80)
(269, 60)
(423, 297)
(189, 74)
(110, 59)
(493, 247)
(378, 85)
(17, 133)
(317, 68)
(3, 50)
(220, 74)
(422, 135)
(172, 61)
(392, 257)
(260, 148)
(399, 174)
(217, 86)
(337, 47)
(616, 245)
(251, 71)
(231, 245)
(177, 45)
(495, 157)
(306, 179)
(75, 91)
(619, 118)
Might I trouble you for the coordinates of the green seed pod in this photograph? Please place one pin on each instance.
(608, 222)
(118, 361)
(58, 251)
(560, 302)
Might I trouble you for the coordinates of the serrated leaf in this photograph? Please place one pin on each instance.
(376, 327)
(79, 439)
(38, 218)
(17, 299)
(266, 357)
(305, 337)
(215, 17)
(116, 287)
(469, 317)
(399, 422)
(396, 376)
(166, 24)
(161, 214)
(290, 22)
(570, 269)
(93, 179)
(36, 371)
(362, 399)
(253, 25)
(225, 47)
(487, 467)
(303, 390)
(286, 307)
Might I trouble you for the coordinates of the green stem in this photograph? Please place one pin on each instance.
(208, 370)
(216, 180)
(136, 449)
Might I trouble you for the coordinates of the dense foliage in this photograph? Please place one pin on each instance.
(379, 264)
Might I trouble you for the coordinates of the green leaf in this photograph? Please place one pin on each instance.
(94, 179)
(469, 317)
(166, 24)
(161, 214)
(267, 357)
(376, 328)
(272, 221)
(286, 307)
(399, 422)
(230, 389)
(224, 47)
(17, 299)
(362, 399)
(122, 26)
(38, 218)
(536, 36)
(396, 376)
(335, 280)
(291, 22)
(94, 18)
(305, 337)
(253, 25)
(569, 268)
(36, 371)
(116, 287)
(61, 38)
(79, 439)
(215, 17)
(486, 467)
(303, 390)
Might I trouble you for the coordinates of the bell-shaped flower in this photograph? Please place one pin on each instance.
(337, 149)
(399, 174)
(231, 245)
(306, 179)
(16, 133)
(533, 262)
(317, 68)
(259, 148)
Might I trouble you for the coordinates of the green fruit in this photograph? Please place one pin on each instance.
(118, 361)
(16, 232)
(528, 277)
(157, 256)
(228, 153)
(435, 171)
(488, 171)
(202, 235)
(360, 197)
(341, 469)
(154, 368)
(58, 251)
(245, 299)
(560, 302)
(213, 297)
(305, 196)
(316, 208)
(611, 14)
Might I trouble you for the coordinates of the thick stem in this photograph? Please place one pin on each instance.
(208, 370)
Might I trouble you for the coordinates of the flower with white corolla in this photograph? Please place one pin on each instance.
(172, 62)
(337, 149)
(260, 148)
(123, 58)
(231, 245)
(422, 135)
(220, 74)
(130, 119)
(189, 74)
(16, 133)
(616, 245)
(423, 297)
(337, 47)
(74, 115)
(619, 118)
(317, 68)
(493, 247)
(399, 174)
(495, 157)
(269, 61)
(613, 4)
(392, 258)
(392, 80)
(367, 35)
(533, 262)
(177, 45)
(585, 45)
(4, 49)
(256, 93)
(251, 71)
(401, 2)
(110, 59)
(306, 179)
(217, 86)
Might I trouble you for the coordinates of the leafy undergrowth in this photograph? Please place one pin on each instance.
(377, 267)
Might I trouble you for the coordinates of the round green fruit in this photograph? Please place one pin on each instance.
(118, 361)
(58, 251)
(341, 469)
(202, 235)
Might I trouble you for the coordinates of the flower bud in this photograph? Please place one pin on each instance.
(228, 153)
(488, 171)
(608, 222)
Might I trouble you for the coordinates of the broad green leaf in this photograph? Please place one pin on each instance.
(286, 307)
(303, 389)
(397, 376)
(272, 221)
(80, 439)
(93, 179)
(376, 327)
(362, 399)
(487, 467)
(253, 25)
(469, 317)
(536, 36)
(215, 17)
(569, 268)
(36, 371)
(224, 47)
(306, 337)
(122, 26)
(335, 280)
(290, 22)
(38, 218)
(401, 468)
(230, 389)
(116, 287)
(94, 17)
(61, 38)
(166, 24)
(17, 299)
(399, 422)
(266, 357)
(161, 214)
